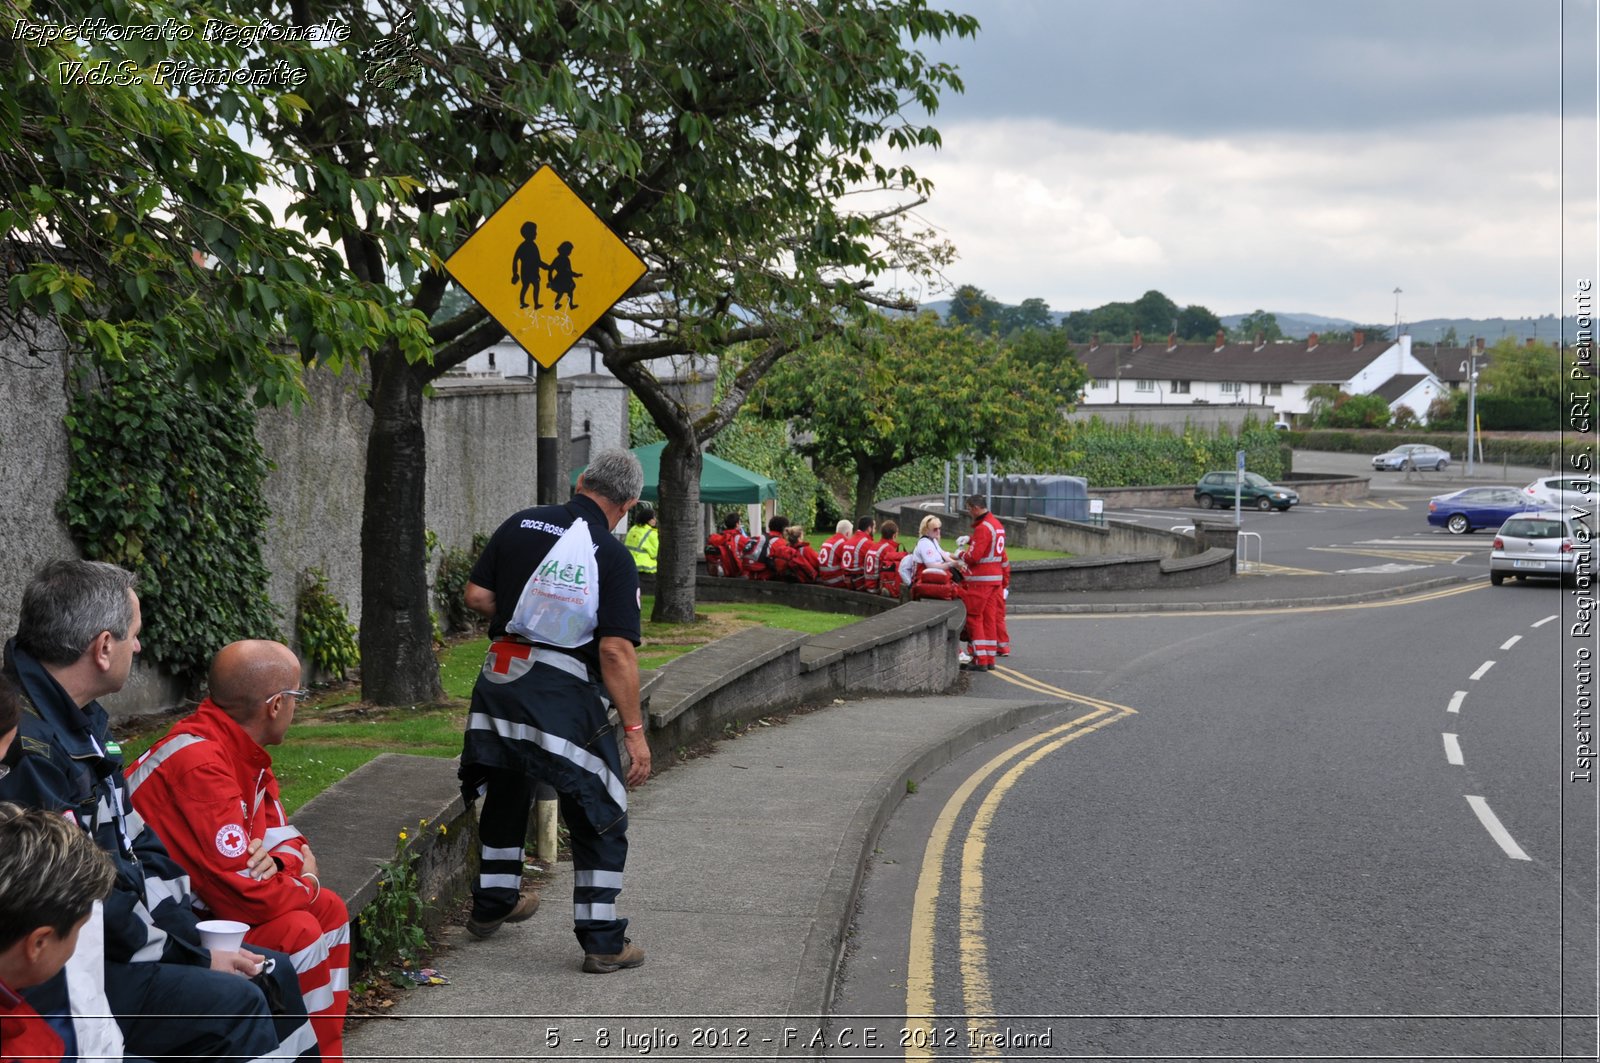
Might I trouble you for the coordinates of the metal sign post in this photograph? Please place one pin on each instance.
(1238, 489)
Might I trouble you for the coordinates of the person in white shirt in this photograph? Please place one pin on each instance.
(927, 551)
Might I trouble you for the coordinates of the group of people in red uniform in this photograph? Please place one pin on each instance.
(850, 559)
(979, 573)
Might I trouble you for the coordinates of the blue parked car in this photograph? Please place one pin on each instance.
(1477, 507)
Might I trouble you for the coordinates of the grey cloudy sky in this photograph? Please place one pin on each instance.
(1296, 155)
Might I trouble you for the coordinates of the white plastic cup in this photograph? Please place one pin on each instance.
(222, 935)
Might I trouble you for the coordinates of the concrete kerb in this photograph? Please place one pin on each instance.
(824, 948)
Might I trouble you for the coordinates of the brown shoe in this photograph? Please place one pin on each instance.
(630, 956)
(526, 905)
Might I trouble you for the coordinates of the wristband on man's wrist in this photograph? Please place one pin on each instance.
(631, 727)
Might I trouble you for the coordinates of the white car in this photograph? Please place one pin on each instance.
(1560, 492)
(1549, 544)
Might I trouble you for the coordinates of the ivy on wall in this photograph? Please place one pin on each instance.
(165, 480)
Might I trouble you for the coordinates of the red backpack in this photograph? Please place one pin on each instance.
(723, 551)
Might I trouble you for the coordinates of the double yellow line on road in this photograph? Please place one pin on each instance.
(1384, 603)
(977, 997)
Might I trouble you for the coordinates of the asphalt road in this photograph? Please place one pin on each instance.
(1338, 832)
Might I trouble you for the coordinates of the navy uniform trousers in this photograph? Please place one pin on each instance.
(532, 720)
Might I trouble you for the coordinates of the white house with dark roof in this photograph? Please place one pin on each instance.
(1275, 375)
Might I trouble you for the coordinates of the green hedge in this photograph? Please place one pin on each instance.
(1534, 452)
(1118, 455)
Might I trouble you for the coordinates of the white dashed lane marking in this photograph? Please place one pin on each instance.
(1452, 749)
(1546, 620)
(1455, 701)
(1510, 642)
(1496, 829)
(1483, 668)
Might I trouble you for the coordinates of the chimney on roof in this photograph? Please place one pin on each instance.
(1138, 339)
(1311, 342)
(1529, 343)
(1480, 344)
(1094, 341)
(1222, 339)
(1260, 341)
(1172, 341)
(1361, 338)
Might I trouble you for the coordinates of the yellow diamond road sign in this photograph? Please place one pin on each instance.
(545, 266)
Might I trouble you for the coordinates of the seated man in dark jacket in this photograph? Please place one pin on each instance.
(77, 636)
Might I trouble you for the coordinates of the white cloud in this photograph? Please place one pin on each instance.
(1464, 216)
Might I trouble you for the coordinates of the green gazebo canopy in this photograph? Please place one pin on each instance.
(721, 482)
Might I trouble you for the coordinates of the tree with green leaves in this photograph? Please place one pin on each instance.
(1197, 323)
(718, 139)
(1516, 371)
(972, 306)
(890, 391)
(1259, 324)
(133, 220)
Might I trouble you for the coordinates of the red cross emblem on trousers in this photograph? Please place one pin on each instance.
(506, 652)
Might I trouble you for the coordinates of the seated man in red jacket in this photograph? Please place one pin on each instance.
(208, 789)
(51, 873)
(831, 564)
(724, 549)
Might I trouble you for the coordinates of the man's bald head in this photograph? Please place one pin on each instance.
(244, 675)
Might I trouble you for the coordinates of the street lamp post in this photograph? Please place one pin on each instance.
(1471, 367)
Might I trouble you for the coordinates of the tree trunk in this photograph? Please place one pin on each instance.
(397, 662)
(681, 542)
(866, 487)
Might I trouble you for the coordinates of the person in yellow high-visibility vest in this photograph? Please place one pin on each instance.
(643, 540)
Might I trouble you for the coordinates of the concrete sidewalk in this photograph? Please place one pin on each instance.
(742, 875)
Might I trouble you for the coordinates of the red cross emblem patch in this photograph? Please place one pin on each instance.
(507, 661)
(232, 840)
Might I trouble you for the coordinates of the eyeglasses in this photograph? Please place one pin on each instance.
(296, 694)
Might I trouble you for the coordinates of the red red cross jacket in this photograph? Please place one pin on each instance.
(208, 789)
(986, 553)
(831, 570)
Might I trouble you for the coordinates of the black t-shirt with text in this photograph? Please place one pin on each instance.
(519, 544)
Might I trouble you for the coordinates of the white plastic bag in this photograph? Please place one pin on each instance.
(561, 600)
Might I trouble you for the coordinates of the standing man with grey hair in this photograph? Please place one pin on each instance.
(539, 710)
(77, 636)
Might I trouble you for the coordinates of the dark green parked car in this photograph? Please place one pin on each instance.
(1216, 489)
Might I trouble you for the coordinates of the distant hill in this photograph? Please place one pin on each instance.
(1297, 325)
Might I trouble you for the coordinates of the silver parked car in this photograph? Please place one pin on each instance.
(1421, 455)
(1562, 491)
(1544, 543)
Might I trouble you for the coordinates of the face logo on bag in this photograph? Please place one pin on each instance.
(232, 840)
(568, 574)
